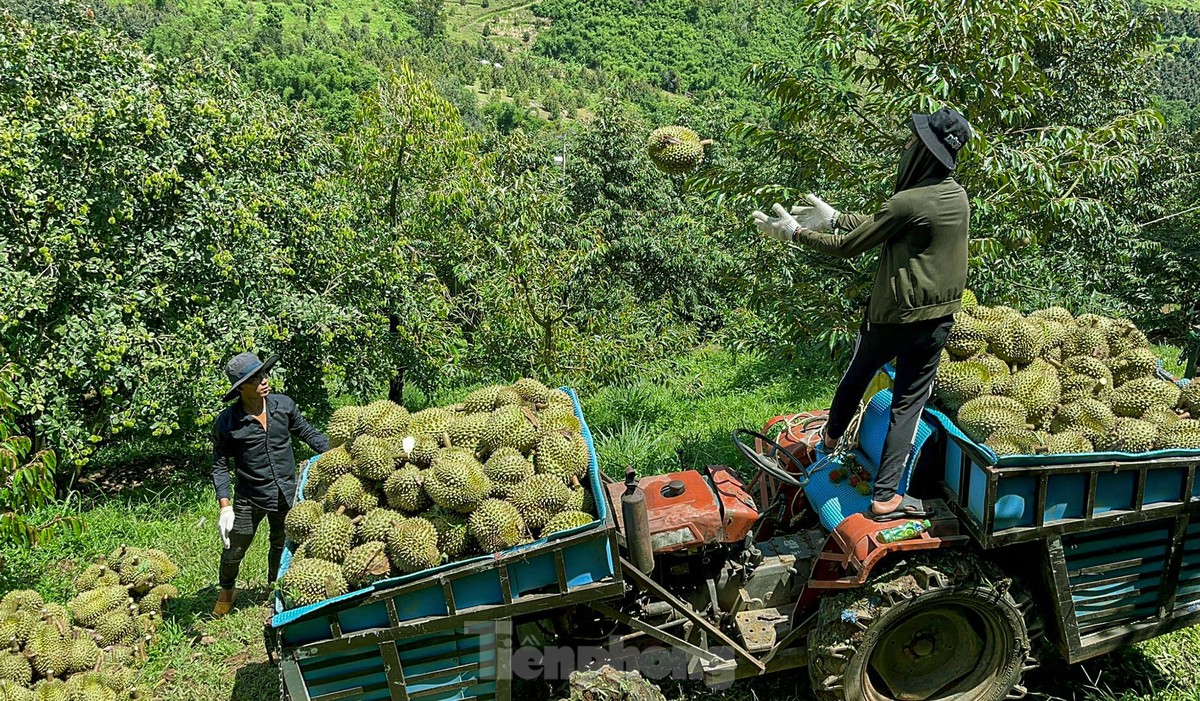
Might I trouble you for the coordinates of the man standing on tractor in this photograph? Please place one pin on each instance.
(918, 287)
(256, 432)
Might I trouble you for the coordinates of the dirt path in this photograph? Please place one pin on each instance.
(492, 13)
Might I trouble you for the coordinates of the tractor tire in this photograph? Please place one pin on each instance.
(938, 627)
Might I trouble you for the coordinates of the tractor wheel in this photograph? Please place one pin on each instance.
(943, 627)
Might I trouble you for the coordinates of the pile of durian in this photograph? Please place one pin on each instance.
(400, 493)
(89, 649)
(1054, 383)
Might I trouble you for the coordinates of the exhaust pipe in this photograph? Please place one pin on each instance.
(637, 524)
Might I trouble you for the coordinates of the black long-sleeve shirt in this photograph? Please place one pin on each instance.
(263, 460)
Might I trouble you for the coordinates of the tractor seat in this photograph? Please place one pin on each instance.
(835, 502)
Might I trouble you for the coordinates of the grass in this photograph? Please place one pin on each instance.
(158, 494)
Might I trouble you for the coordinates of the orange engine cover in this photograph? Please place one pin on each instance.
(685, 511)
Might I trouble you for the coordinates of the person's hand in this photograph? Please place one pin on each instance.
(225, 524)
(820, 216)
(780, 227)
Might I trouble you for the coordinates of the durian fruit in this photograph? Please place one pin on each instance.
(55, 614)
(117, 628)
(559, 398)
(1081, 386)
(1128, 436)
(531, 391)
(565, 521)
(412, 546)
(21, 600)
(482, 399)
(392, 422)
(958, 382)
(1017, 341)
(1000, 371)
(992, 315)
(1135, 397)
(456, 481)
(156, 599)
(89, 687)
(1056, 314)
(374, 461)
(675, 150)
(330, 539)
(1181, 435)
(506, 468)
(425, 449)
(507, 396)
(19, 626)
(540, 497)
(582, 500)
(1038, 389)
(119, 555)
(366, 564)
(331, 465)
(981, 417)
(405, 490)
(51, 690)
(139, 574)
(1189, 398)
(350, 493)
(969, 299)
(1161, 416)
(557, 417)
(311, 581)
(454, 539)
(1053, 332)
(1133, 364)
(376, 525)
(96, 575)
(373, 413)
(1015, 441)
(48, 651)
(1067, 442)
(15, 667)
(82, 654)
(467, 430)
(301, 519)
(563, 454)
(1087, 367)
(1085, 339)
(496, 525)
(431, 422)
(1122, 336)
(11, 691)
(509, 426)
(1089, 417)
(88, 607)
(344, 425)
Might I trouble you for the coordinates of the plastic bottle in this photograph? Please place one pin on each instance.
(905, 531)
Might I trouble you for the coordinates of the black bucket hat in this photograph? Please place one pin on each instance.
(944, 133)
(242, 367)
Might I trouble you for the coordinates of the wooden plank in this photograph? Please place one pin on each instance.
(652, 586)
(1139, 492)
(448, 595)
(1109, 566)
(1039, 516)
(1089, 508)
(1170, 583)
(393, 670)
(560, 570)
(504, 647)
(505, 585)
(1189, 483)
(293, 679)
(1064, 606)
(989, 502)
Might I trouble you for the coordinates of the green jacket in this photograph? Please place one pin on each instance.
(923, 265)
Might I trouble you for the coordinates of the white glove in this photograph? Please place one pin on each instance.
(819, 217)
(225, 524)
(781, 227)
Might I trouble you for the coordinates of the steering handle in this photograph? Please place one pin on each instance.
(769, 464)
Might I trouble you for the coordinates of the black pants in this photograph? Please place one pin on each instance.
(917, 349)
(246, 517)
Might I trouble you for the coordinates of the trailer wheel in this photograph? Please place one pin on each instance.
(933, 628)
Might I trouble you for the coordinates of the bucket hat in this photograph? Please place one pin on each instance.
(242, 367)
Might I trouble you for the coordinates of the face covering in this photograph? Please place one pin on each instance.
(918, 164)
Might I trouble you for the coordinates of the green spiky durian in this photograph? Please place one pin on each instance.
(540, 497)
(467, 430)
(1017, 341)
(969, 299)
(1189, 398)
(374, 462)
(11, 691)
(156, 599)
(376, 525)
(1133, 364)
(482, 399)
(412, 546)
(405, 490)
(1086, 338)
(51, 690)
(425, 449)
(1134, 398)
(345, 424)
(1067, 442)
(456, 481)
(1015, 441)
(19, 626)
(48, 650)
(556, 417)
(968, 336)
(559, 398)
(373, 413)
(532, 391)
(15, 667)
(1090, 417)
(1038, 389)
(1056, 314)
(563, 454)
(139, 574)
(506, 468)
(1180, 435)
(1089, 367)
(1122, 336)
(96, 575)
(89, 687)
(675, 150)
(565, 521)
(507, 396)
(510, 426)
(331, 465)
(350, 493)
(1053, 332)
(993, 314)
(117, 628)
(454, 538)
(981, 417)
(1161, 416)
(82, 654)
(582, 500)
(88, 607)
(311, 581)
(958, 382)
(391, 422)
(21, 600)
(366, 564)
(431, 422)
(1081, 386)
(331, 537)
(301, 519)
(1128, 436)
(56, 614)
(496, 525)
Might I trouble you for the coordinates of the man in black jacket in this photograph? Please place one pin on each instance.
(256, 433)
(918, 287)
